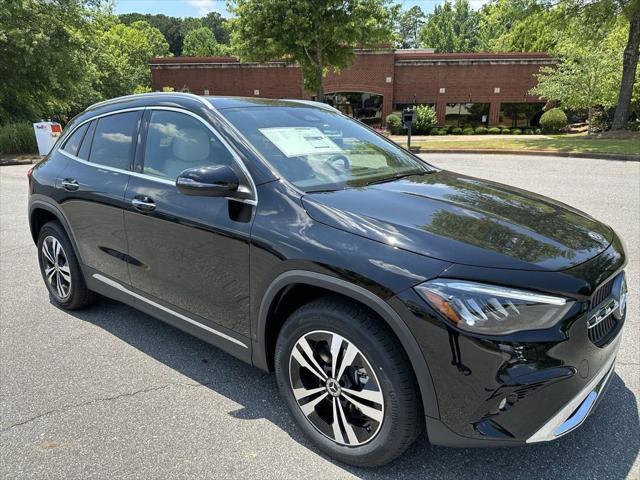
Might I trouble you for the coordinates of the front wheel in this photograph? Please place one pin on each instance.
(348, 382)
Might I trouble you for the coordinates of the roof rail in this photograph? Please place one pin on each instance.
(142, 95)
(313, 103)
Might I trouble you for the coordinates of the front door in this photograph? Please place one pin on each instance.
(189, 252)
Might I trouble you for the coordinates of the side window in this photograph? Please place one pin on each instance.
(177, 141)
(83, 153)
(73, 143)
(114, 140)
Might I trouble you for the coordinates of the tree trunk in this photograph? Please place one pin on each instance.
(319, 90)
(629, 66)
(589, 119)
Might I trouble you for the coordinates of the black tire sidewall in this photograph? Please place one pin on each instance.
(78, 286)
(376, 451)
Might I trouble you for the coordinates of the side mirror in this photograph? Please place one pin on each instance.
(214, 181)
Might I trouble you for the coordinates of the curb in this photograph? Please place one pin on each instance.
(19, 161)
(541, 153)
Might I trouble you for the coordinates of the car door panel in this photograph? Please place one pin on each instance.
(189, 251)
(92, 194)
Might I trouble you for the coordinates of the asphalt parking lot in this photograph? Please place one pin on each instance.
(109, 392)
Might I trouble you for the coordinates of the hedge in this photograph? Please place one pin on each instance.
(394, 123)
(505, 131)
(18, 138)
(553, 120)
(494, 130)
(516, 131)
(481, 131)
(468, 131)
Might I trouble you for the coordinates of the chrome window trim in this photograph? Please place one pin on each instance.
(122, 288)
(149, 94)
(236, 157)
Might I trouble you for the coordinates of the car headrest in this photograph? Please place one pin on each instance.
(192, 145)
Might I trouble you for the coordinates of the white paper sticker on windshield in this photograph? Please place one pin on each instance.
(300, 141)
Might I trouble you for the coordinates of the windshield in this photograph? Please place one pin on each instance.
(321, 150)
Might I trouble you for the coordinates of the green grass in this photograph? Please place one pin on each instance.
(554, 143)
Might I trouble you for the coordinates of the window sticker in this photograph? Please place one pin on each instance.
(300, 141)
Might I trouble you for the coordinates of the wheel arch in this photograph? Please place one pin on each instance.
(312, 283)
(41, 212)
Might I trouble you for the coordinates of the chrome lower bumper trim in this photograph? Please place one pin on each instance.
(578, 409)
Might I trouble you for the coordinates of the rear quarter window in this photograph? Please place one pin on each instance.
(72, 144)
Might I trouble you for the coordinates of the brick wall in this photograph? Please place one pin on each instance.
(399, 76)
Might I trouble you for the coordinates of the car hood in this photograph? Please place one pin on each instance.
(465, 220)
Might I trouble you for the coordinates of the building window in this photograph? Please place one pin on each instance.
(466, 114)
(399, 107)
(366, 107)
(389, 79)
(525, 115)
(443, 90)
(496, 90)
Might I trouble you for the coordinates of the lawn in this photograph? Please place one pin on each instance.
(557, 143)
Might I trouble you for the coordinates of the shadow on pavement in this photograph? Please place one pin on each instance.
(605, 446)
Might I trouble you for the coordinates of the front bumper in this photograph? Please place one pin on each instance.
(574, 413)
(514, 390)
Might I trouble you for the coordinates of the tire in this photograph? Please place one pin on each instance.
(60, 269)
(379, 378)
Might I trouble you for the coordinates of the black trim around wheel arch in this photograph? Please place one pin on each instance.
(378, 305)
(36, 203)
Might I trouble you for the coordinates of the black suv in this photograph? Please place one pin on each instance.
(389, 296)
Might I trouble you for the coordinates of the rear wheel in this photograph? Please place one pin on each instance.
(347, 382)
(60, 269)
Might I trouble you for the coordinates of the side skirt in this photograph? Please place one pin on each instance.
(237, 345)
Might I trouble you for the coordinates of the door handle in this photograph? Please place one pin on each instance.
(143, 204)
(70, 185)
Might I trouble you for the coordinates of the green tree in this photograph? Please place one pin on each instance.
(587, 76)
(122, 56)
(201, 43)
(451, 28)
(631, 11)
(44, 58)
(317, 34)
(408, 26)
(218, 25)
(170, 27)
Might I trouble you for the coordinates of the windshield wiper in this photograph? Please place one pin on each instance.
(397, 177)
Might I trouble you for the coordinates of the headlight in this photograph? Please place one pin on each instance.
(491, 309)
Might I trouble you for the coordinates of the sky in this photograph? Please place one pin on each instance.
(199, 8)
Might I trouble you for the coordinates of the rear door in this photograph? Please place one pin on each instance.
(93, 186)
(191, 252)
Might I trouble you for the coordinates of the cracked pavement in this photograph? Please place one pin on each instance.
(110, 392)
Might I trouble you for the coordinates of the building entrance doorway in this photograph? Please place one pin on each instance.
(366, 107)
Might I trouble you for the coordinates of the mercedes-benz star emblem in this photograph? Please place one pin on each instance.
(333, 387)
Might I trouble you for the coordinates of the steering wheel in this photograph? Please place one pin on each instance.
(333, 160)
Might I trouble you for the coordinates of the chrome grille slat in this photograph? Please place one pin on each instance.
(599, 334)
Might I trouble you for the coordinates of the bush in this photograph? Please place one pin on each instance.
(481, 131)
(456, 131)
(528, 131)
(537, 131)
(18, 138)
(553, 120)
(468, 131)
(493, 130)
(426, 119)
(394, 123)
(441, 131)
(505, 131)
(516, 131)
(633, 126)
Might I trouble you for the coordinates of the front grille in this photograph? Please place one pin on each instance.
(601, 294)
(599, 334)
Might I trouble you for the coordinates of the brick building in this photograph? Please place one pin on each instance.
(465, 88)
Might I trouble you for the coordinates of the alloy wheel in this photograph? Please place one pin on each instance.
(336, 388)
(56, 267)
